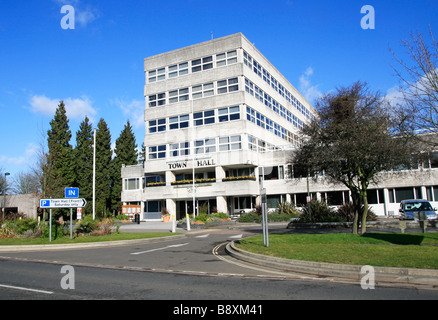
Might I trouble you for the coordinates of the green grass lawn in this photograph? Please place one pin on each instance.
(376, 249)
(84, 239)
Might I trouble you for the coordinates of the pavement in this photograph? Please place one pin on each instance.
(405, 277)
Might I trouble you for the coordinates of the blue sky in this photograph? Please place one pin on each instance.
(97, 68)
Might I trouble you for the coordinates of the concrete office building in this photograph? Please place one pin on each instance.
(220, 112)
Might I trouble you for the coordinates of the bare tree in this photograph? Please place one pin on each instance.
(351, 142)
(25, 183)
(418, 75)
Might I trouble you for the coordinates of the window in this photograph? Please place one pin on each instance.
(157, 125)
(230, 143)
(247, 59)
(157, 152)
(249, 87)
(202, 64)
(252, 143)
(157, 75)
(179, 149)
(205, 146)
(229, 114)
(132, 184)
(179, 95)
(157, 100)
(179, 122)
(178, 70)
(225, 58)
(203, 90)
(205, 117)
(229, 85)
(250, 114)
(257, 68)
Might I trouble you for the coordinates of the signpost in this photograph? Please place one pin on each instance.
(70, 202)
(62, 203)
(72, 192)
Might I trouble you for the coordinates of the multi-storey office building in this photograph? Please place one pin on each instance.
(216, 109)
(218, 115)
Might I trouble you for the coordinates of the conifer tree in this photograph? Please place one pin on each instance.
(83, 163)
(103, 168)
(125, 154)
(59, 158)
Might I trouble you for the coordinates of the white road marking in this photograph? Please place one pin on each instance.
(25, 289)
(203, 236)
(163, 248)
(239, 236)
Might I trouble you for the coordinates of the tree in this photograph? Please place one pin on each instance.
(125, 154)
(351, 142)
(26, 182)
(418, 77)
(103, 168)
(83, 162)
(59, 158)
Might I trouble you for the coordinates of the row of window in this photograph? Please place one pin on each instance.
(199, 119)
(196, 65)
(271, 126)
(271, 103)
(277, 86)
(198, 91)
(203, 146)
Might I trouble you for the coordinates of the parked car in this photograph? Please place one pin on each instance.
(411, 209)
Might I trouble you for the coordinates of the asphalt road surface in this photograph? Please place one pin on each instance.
(193, 267)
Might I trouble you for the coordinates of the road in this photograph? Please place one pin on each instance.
(193, 267)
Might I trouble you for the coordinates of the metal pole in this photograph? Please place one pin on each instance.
(50, 226)
(71, 224)
(94, 176)
(193, 163)
(4, 196)
(264, 207)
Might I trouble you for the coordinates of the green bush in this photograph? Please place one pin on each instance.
(20, 226)
(319, 212)
(275, 217)
(287, 208)
(214, 217)
(58, 230)
(86, 225)
(250, 217)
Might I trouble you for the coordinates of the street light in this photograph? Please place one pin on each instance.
(4, 196)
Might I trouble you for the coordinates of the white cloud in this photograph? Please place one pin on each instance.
(133, 110)
(26, 159)
(76, 108)
(309, 91)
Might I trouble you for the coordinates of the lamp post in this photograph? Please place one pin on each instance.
(4, 196)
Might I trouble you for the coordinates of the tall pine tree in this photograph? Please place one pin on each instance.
(125, 153)
(103, 169)
(83, 163)
(59, 158)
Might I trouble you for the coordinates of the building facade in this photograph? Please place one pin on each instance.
(218, 117)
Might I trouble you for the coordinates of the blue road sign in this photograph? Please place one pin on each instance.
(72, 192)
(45, 203)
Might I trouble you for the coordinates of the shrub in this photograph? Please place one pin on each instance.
(319, 212)
(20, 226)
(346, 211)
(86, 225)
(250, 217)
(287, 208)
(57, 230)
(103, 227)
